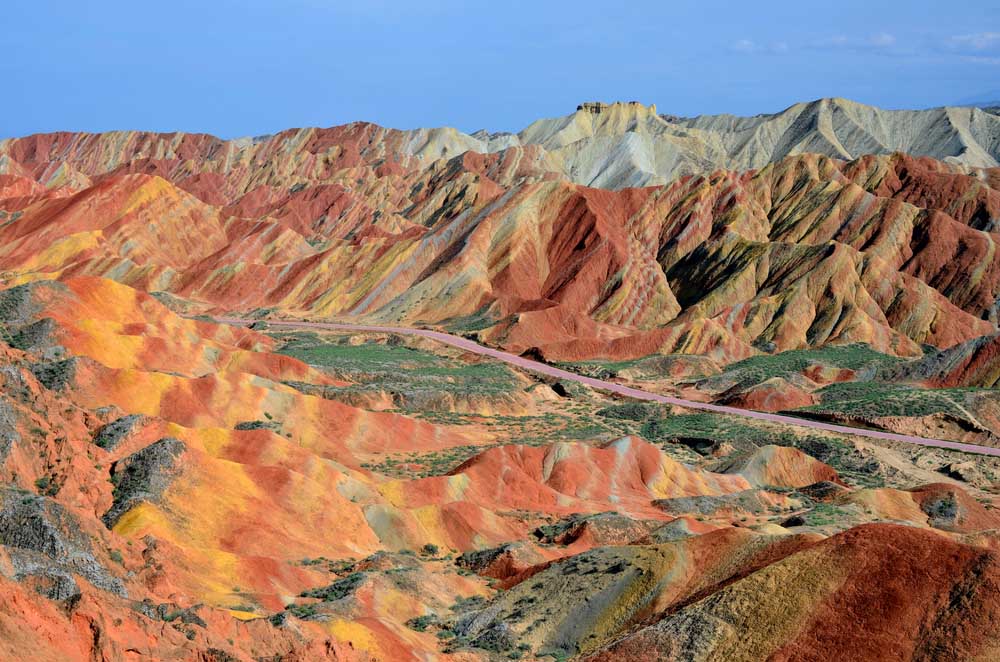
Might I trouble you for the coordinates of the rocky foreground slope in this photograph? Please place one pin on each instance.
(173, 489)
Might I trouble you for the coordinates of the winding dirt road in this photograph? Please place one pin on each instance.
(551, 371)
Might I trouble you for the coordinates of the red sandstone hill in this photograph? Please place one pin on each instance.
(140, 514)
(356, 222)
(176, 489)
(935, 600)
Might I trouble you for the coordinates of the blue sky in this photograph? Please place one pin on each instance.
(254, 67)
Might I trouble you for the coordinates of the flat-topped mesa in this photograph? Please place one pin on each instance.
(598, 107)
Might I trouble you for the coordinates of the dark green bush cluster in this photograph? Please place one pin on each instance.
(629, 411)
(421, 623)
(338, 589)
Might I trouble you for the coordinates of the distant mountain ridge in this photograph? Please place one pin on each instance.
(621, 145)
(649, 148)
(987, 99)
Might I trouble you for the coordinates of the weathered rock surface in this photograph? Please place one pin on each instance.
(937, 601)
(143, 476)
(43, 539)
(110, 436)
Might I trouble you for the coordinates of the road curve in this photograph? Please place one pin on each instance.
(551, 371)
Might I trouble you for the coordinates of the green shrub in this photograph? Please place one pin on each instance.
(421, 623)
(301, 611)
(338, 589)
(630, 411)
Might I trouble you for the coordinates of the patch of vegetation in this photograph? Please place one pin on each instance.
(497, 637)
(477, 321)
(338, 589)
(395, 368)
(56, 375)
(527, 430)
(309, 562)
(5, 334)
(169, 612)
(110, 436)
(586, 431)
(468, 603)
(629, 411)
(858, 357)
(444, 417)
(824, 514)
(342, 567)
(876, 399)
(416, 465)
(710, 427)
(301, 611)
(258, 425)
(854, 467)
(421, 623)
(941, 509)
(142, 476)
(345, 356)
(32, 336)
(599, 369)
(717, 427)
(47, 486)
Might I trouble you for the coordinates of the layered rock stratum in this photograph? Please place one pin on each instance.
(359, 221)
(176, 489)
(608, 145)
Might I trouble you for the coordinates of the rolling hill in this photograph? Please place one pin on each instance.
(172, 488)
